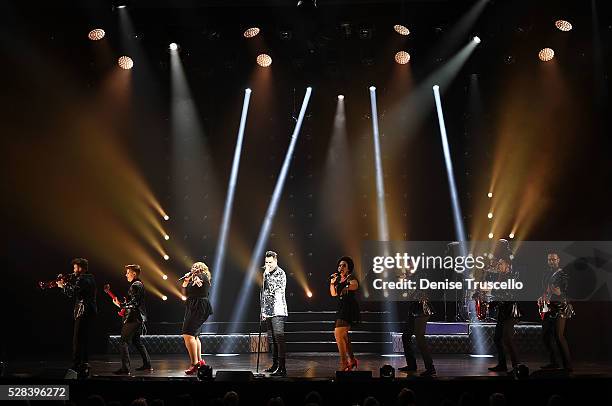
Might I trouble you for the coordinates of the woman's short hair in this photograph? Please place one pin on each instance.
(349, 263)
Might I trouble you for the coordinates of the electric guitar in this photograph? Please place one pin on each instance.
(107, 290)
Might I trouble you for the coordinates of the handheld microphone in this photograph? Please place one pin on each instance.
(332, 276)
(184, 276)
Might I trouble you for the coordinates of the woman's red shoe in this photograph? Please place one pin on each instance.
(192, 370)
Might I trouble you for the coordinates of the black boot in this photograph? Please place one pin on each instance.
(281, 370)
(274, 366)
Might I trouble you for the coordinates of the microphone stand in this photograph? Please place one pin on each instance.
(257, 374)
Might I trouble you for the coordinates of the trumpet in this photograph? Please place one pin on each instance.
(67, 279)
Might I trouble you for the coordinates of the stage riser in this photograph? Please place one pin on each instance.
(527, 338)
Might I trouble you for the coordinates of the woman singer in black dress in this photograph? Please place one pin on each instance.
(344, 286)
(196, 285)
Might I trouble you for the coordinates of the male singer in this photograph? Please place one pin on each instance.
(274, 311)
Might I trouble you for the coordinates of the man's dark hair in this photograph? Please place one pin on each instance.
(134, 268)
(81, 262)
(271, 254)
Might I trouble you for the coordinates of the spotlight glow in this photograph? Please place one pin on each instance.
(340, 97)
(96, 34)
(309, 294)
(490, 215)
(183, 298)
(563, 25)
(166, 217)
(476, 40)
(511, 235)
(125, 62)
(173, 46)
(251, 32)
(490, 235)
(164, 298)
(490, 195)
(401, 29)
(166, 257)
(166, 237)
(372, 88)
(402, 57)
(165, 277)
(264, 60)
(546, 54)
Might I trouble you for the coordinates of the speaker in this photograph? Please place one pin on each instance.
(351, 376)
(234, 376)
(57, 373)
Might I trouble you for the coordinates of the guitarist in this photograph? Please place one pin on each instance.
(555, 310)
(133, 321)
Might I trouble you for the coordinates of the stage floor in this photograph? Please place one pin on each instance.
(300, 366)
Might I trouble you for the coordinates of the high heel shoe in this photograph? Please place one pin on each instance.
(353, 365)
(192, 369)
(201, 363)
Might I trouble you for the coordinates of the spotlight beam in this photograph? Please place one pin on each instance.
(229, 201)
(264, 232)
(383, 226)
(457, 217)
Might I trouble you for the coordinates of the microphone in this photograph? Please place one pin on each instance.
(184, 276)
(333, 275)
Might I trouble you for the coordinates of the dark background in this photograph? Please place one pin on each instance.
(52, 72)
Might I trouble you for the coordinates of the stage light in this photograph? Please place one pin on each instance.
(173, 46)
(166, 257)
(341, 97)
(166, 237)
(372, 88)
(309, 294)
(165, 277)
(96, 34)
(511, 235)
(454, 194)
(183, 298)
(489, 195)
(546, 54)
(402, 57)
(264, 232)
(122, 6)
(166, 217)
(125, 62)
(251, 32)
(476, 40)
(401, 30)
(229, 201)
(164, 297)
(490, 235)
(490, 215)
(563, 25)
(387, 372)
(264, 60)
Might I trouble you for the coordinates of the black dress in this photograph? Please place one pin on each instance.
(348, 307)
(198, 307)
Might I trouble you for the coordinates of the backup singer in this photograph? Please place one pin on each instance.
(559, 310)
(274, 311)
(133, 321)
(83, 290)
(344, 285)
(508, 315)
(196, 286)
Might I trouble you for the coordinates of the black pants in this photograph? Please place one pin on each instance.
(80, 341)
(553, 335)
(131, 331)
(276, 336)
(416, 325)
(504, 331)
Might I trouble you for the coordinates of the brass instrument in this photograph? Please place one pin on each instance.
(67, 279)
